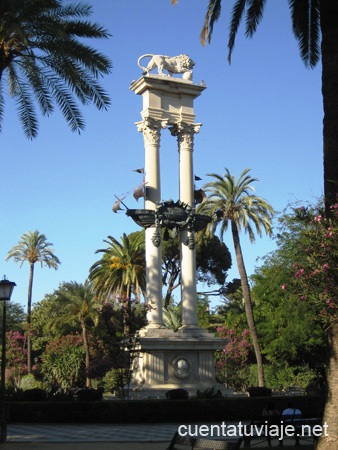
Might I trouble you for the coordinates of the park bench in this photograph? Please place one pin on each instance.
(184, 442)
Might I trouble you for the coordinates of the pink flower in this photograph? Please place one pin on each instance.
(299, 273)
(329, 303)
(284, 286)
(326, 267)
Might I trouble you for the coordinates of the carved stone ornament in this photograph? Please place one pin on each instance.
(151, 129)
(182, 367)
(185, 133)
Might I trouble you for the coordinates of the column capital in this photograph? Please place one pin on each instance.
(185, 132)
(151, 129)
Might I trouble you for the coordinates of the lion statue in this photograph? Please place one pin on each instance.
(175, 64)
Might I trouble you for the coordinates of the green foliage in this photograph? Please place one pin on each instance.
(203, 312)
(172, 317)
(286, 340)
(46, 61)
(116, 379)
(279, 377)
(29, 381)
(46, 312)
(209, 393)
(15, 317)
(63, 362)
(213, 260)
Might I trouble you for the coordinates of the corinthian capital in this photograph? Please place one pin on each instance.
(151, 129)
(185, 132)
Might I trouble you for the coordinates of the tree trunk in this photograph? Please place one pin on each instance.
(87, 356)
(248, 303)
(28, 319)
(329, 440)
(329, 50)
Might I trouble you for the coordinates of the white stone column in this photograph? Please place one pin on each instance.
(151, 130)
(185, 137)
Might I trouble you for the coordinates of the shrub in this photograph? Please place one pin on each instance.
(30, 382)
(34, 395)
(209, 393)
(177, 394)
(116, 378)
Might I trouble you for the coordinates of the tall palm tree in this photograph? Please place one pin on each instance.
(314, 24)
(43, 59)
(33, 248)
(121, 272)
(232, 202)
(78, 306)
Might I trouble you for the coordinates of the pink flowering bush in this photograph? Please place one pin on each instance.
(16, 358)
(232, 367)
(315, 278)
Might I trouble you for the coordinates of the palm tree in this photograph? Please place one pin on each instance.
(121, 272)
(232, 202)
(45, 60)
(78, 306)
(33, 248)
(314, 24)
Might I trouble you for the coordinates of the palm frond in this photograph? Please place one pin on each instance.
(2, 106)
(20, 92)
(306, 27)
(45, 36)
(212, 15)
(254, 16)
(37, 83)
(66, 104)
(236, 18)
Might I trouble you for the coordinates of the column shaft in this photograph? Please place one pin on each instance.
(185, 137)
(151, 130)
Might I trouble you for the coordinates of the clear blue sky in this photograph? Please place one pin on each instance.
(263, 112)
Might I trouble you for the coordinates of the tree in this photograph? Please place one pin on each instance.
(315, 281)
(15, 317)
(213, 260)
(314, 24)
(120, 273)
(230, 201)
(44, 59)
(33, 248)
(286, 340)
(78, 306)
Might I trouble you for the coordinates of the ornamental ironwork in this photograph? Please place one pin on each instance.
(175, 216)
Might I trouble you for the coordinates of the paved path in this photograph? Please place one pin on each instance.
(90, 433)
(97, 437)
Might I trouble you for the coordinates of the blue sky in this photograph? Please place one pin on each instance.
(264, 112)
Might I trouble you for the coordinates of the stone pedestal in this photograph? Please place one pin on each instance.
(170, 360)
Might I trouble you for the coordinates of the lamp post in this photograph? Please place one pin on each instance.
(6, 289)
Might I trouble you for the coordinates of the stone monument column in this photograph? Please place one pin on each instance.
(185, 138)
(151, 129)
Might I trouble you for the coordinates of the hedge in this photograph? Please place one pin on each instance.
(155, 411)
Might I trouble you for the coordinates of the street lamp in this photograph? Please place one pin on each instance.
(6, 290)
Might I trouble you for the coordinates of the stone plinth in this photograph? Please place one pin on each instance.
(170, 360)
(167, 98)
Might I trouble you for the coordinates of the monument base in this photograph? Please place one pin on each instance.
(172, 360)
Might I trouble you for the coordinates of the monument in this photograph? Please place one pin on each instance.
(169, 359)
